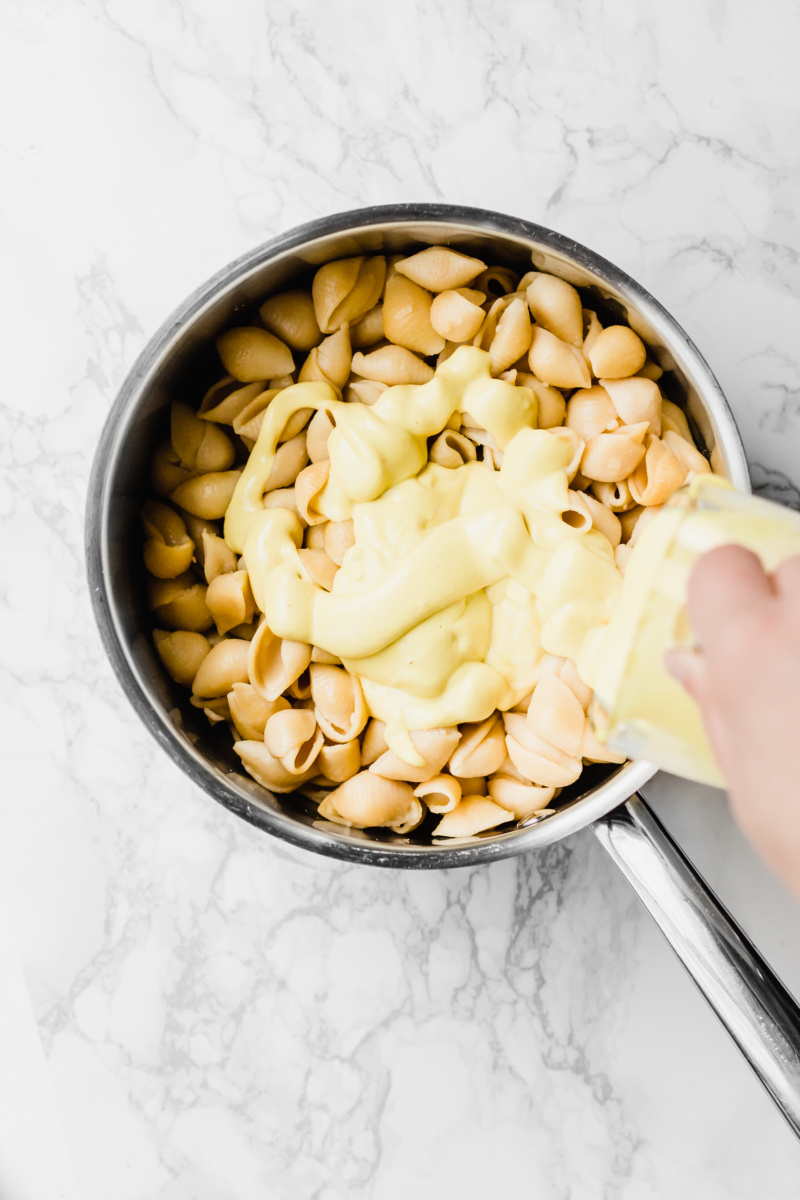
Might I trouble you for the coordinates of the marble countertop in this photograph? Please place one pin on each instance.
(225, 1018)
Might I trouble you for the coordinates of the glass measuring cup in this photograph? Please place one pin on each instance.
(639, 708)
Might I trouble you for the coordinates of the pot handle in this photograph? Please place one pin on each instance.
(756, 1009)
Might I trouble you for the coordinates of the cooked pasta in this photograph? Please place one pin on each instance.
(431, 472)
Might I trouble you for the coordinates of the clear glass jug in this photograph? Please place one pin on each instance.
(639, 708)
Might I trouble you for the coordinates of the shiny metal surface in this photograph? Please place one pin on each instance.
(749, 999)
(180, 361)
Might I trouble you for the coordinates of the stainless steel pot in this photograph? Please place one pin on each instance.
(180, 362)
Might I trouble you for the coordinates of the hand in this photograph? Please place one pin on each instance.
(745, 676)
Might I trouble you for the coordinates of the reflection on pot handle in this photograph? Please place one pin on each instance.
(759, 1013)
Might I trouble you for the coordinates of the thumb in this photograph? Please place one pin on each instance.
(688, 667)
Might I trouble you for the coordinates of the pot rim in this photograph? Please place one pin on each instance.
(475, 221)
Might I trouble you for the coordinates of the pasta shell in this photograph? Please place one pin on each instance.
(320, 567)
(207, 496)
(364, 391)
(250, 711)
(369, 329)
(341, 708)
(485, 335)
(455, 317)
(576, 449)
(224, 404)
(186, 432)
(616, 496)
(452, 449)
(577, 516)
(166, 470)
(551, 404)
(616, 353)
(481, 749)
(590, 412)
(648, 514)
(610, 457)
(248, 421)
(536, 759)
(250, 354)
(319, 430)
(521, 799)
(290, 458)
(555, 713)
(283, 498)
(301, 688)
(440, 269)
(340, 761)
(200, 445)
(674, 418)
(180, 603)
(475, 814)
(290, 316)
(168, 549)
(657, 476)
(556, 362)
(373, 744)
(216, 709)
(628, 520)
(181, 652)
(230, 600)
(496, 281)
(441, 794)
(295, 425)
(392, 365)
(507, 768)
(407, 317)
(569, 675)
(330, 361)
(556, 307)
(636, 400)
(589, 513)
(218, 558)
(314, 537)
(224, 665)
(449, 349)
(651, 370)
(346, 290)
(268, 770)
(591, 331)
(433, 745)
(292, 735)
(322, 656)
(275, 663)
(512, 337)
(339, 537)
(687, 454)
(551, 664)
(307, 488)
(367, 800)
(594, 751)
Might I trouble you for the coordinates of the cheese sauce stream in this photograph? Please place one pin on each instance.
(460, 579)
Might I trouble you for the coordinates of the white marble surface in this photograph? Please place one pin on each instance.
(226, 1018)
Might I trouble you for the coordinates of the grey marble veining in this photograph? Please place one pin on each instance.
(226, 1018)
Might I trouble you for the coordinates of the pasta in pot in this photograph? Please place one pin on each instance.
(431, 472)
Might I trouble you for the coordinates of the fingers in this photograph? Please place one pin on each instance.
(725, 583)
(787, 578)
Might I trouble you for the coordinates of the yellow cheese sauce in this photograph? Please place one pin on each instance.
(460, 579)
